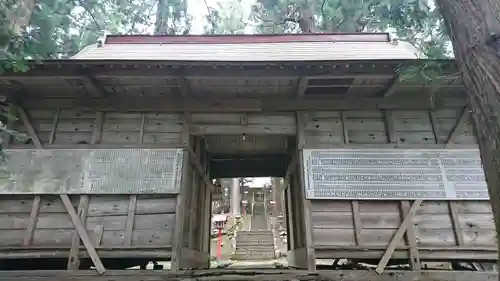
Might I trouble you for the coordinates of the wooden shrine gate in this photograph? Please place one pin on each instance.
(118, 166)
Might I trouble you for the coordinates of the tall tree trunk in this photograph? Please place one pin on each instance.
(20, 16)
(161, 24)
(474, 28)
(306, 22)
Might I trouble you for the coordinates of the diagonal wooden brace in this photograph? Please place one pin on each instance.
(398, 236)
(83, 234)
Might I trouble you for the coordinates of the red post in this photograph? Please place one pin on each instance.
(219, 244)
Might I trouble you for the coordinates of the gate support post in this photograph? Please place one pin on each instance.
(302, 254)
(178, 240)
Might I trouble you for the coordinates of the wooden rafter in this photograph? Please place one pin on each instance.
(398, 236)
(461, 120)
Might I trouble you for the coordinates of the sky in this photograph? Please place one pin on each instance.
(198, 10)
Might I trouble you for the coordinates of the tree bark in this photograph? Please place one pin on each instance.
(307, 23)
(474, 28)
(161, 25)
(20, 16)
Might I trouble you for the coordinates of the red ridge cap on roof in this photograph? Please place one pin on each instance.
(247, 39)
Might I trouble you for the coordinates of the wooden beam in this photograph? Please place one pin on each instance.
(306, 204)
(302, 86)
(94, 86)
(199, 168)
(98, 124)
(390, 88)
(80, 228)
(74, 252)
(455, 222)
(220, 105)
(247, 274)
(184, 86)
(358, 225)
(130, 220)
(411, 238)
(30, 230)
(29, 127)
(398, 236)
(182, 201)
(433, 121)
(345, 130)
(390, 129)
(464, 116)
(55, 122)
(291, 168)
(356, 68)
(142, 128)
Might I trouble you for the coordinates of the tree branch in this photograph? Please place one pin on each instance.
(91, 15)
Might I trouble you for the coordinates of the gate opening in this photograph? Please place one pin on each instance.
(249, 223)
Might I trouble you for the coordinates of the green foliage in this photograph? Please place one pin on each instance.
(427, 72)
(414, 21)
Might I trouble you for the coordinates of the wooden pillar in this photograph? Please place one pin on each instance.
(289, 219)
(207, 214)
(303, 256)
(181, 228)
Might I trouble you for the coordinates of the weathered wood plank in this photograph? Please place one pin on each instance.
(248, 274)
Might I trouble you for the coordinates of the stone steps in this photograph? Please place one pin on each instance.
(254, 245)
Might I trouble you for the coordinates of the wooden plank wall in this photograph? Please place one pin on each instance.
(331, 129)
(118, 230)
(31, 229)
(363, 229)
(67, 128)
